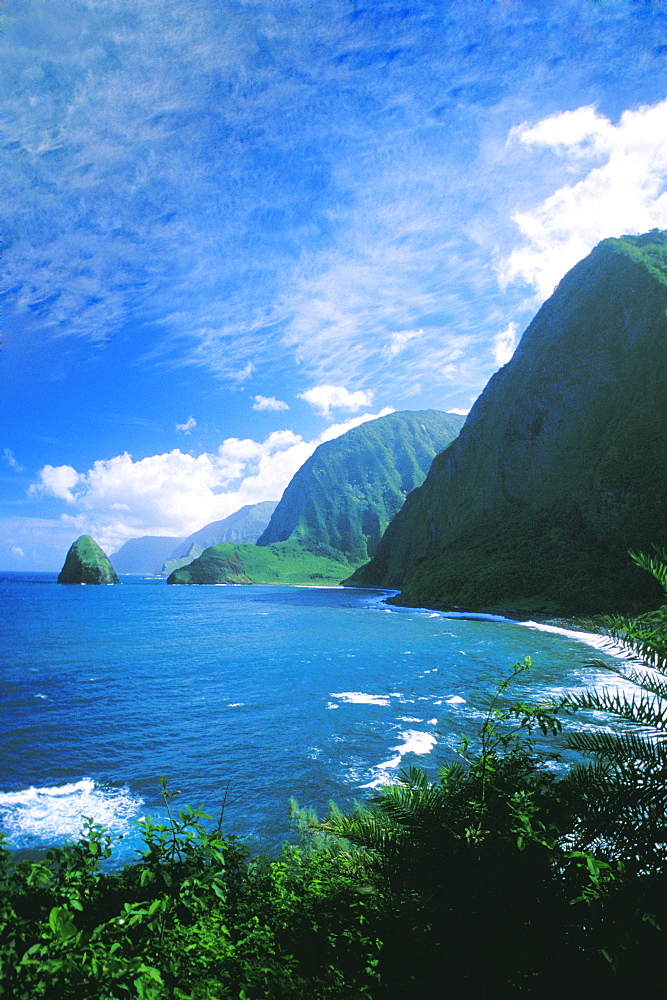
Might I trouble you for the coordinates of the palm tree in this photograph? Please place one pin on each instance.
(621, 797)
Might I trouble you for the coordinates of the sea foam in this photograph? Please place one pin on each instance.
(601, 642)
(414, 742)
(359, 698)
(39, 816)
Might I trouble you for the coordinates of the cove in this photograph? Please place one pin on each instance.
(244, 694)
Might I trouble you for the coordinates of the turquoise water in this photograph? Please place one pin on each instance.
(249, 693)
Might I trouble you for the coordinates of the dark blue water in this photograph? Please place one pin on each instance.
(253, 693)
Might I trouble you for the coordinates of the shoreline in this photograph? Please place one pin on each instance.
(577, 628)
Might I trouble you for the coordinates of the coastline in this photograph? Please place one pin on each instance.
(578, 628)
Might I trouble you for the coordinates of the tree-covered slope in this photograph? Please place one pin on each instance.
(342, 499)
(288, 562)
(562, 463)
(86, 562)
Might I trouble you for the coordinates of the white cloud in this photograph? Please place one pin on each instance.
(458, 412)
(269, 403)
(325, 398)
(56, 481)
(188, 426)
(504, 343)
(17, 552)
(582, 132)
(10, 459)
(399, 340)
(622, 189)
(176, 493)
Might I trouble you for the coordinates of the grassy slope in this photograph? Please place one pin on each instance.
(285, 562)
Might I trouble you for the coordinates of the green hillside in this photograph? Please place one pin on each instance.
(244, 525)
(284, 563)
(342, 499)
(562, 464)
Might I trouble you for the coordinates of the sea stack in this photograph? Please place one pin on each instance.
(87, 563)
(561, 466)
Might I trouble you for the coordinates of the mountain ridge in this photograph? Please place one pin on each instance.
(344, 496)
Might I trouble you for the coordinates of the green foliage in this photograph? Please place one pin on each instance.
(471, 856)
(195, 918)
(622, 795)
(472, 880)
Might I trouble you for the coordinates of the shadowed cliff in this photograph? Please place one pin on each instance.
(562, 463)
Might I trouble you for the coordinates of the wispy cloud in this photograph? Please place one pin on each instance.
(400, 339)
(10, 459)
(287, 187)
(188, 426)
(269, 403)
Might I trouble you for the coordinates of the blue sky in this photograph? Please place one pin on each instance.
(232, 230)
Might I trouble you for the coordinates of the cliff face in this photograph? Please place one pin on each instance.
(342, 499)
(562, 463)
(87, 563)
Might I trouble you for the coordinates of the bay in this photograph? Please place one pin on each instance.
(241, 695)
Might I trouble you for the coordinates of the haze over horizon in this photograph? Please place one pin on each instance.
(233, 232)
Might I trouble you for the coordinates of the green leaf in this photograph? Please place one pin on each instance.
(61, 922)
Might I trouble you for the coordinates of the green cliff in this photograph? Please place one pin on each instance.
(344, 496)
(87, 563)
(284, 563)
(562, 463)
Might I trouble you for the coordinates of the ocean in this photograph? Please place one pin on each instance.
(240, 695)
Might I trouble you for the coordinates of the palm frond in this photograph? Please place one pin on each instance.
(645, 679)
(622, 796)
(620, 747)
(640, 709)
(654, 563)
(363, 829)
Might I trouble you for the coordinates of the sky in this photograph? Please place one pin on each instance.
(234, 230)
